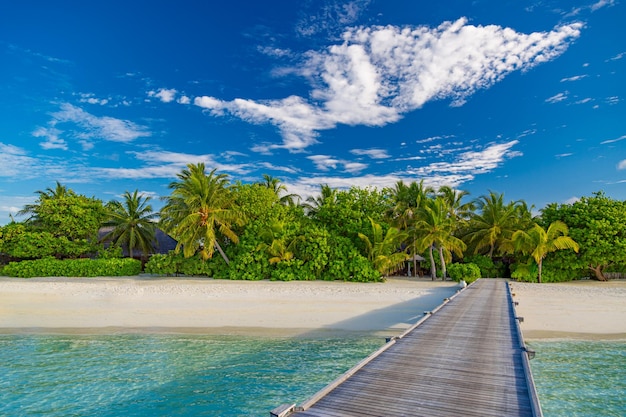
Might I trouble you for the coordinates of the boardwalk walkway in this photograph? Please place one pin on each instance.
(465, 359)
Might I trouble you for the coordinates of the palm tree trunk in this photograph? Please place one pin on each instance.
(433, 267)
(443, 264)
(597, 271)
(414, 259)
(539, 268)
(219, 248)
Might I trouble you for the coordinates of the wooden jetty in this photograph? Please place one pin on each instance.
(465, 358)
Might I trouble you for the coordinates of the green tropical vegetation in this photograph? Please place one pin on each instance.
(258, 230)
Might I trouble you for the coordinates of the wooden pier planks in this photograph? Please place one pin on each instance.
(464, 360)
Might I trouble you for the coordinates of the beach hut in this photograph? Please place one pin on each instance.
(414, 262)
(163, 243)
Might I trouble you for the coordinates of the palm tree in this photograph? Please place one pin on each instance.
(382, 250)
(58, 192)
(407, 200)
(132, 222)
(459, 211)
(275, 185)
(435, 229)
(277, 245)
(538, 242)
(200, 209)
(494, 224)
(327, 195)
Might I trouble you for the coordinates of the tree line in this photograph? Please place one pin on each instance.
(238, 230)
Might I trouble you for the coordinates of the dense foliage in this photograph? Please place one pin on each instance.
(52, 267)
(260, 231)
(467, 272)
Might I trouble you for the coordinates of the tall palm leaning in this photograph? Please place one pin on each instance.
(435, 227)
(133, 223)
(538, 242)
(200, 210)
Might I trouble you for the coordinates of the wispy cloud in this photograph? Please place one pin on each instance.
(613, 140)
(617, 57)
(372, 153)
(330, 18)
(15, 161)
(574, 78)
(471, 163)
(621, 164)
(326, 163)
(557, 97)
(91, 98)
(51, 138)
(602, 3)
(86, 128)
(380, 73)
(163, 164)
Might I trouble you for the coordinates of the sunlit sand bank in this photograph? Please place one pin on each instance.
(584, 310)
(131, 304)
(588, 310)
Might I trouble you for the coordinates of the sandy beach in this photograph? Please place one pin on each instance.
(587, 310)
(96, 305)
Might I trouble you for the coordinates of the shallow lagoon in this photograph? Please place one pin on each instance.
(194, 375)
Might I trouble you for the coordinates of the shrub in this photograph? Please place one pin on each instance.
(51, 267)
(488, 268)
(467, 272)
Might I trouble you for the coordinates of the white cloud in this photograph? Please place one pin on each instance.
(557, 98)
(372, 153)
(612, 100)
(574, 78)
(622, 164)
(617, 57)
(163, 94)
(471, 163)
(379, 73)
(52, 139)
(602, 3)
(584, 100)
(572, 200)
(88, 128)
(90, 98)
(163, 164)
(15, 161)
(183, 100)
(563, 155)
(613, 140)
(326, 162)
(273, 167)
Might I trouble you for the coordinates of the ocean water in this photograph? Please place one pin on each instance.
(196, 375)
(167, 375)
(576, 378)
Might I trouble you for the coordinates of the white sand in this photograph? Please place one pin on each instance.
(209, 306)
(577, 310)
(588, 309)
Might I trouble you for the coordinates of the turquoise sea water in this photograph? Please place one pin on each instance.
(576, 379)
(167, 375)
(191, 375)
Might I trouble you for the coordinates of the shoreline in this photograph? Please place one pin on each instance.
(208, 306)
(581, 310)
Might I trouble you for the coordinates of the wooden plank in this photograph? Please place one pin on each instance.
(464, 359)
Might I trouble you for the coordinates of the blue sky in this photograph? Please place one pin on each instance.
(524, 98)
